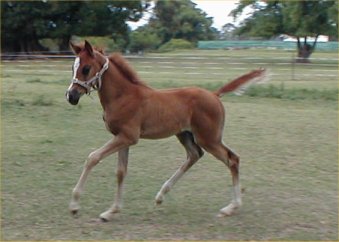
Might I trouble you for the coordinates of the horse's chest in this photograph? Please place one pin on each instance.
(113, 126)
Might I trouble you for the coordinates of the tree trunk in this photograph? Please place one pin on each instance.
(64, 43)
(30, 45)
(305, 50)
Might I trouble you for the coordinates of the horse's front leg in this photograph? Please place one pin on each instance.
(112, 146)
(121, 173)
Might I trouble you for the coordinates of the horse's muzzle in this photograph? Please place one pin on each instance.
(73, 96)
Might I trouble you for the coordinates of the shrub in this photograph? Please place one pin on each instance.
(143, 40)
(176, 44)
(105, 43)
(50, 44)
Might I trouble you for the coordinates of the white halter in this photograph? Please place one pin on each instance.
(92, 84)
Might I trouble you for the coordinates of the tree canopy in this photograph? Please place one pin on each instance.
(296, 18)
(23, 23)
(180, 19)
(171, 20)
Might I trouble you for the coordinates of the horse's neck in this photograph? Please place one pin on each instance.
(115, 86)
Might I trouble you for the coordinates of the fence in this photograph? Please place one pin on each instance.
(323, 46)
(197, 67)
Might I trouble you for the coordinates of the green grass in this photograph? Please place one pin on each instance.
(272, 91)
(288, 146)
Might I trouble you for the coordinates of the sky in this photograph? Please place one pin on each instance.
(218, 9)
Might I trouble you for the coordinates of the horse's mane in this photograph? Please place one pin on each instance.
(125, 69)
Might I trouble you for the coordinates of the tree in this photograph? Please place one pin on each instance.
(297, 18)
(24, 23)
(144, 38)
(227, 31)
(180, 19)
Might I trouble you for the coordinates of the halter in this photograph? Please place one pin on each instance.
(92, 84)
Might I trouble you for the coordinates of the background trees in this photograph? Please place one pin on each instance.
(178, 19)
(181, 20)
(144, 38)
(297, 18)
(24, 23)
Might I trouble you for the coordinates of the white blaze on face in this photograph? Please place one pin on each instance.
(76, 65)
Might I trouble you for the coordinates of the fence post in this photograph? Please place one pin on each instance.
(293, 67)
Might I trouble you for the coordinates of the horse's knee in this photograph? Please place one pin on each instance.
(92, 160)
(233, 156)
(234, 160)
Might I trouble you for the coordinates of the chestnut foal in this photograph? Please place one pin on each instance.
(133, 110)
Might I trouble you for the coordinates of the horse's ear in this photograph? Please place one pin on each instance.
(76, 49)
(89, 48)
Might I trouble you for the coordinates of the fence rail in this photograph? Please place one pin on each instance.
(207, 67)
(17, 57)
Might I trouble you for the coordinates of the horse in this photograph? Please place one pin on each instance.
(133, 110)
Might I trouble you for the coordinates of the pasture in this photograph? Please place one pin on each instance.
(288, 147)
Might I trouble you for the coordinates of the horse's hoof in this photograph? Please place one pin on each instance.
(103, 220)
(74, 208)
(229, 210)
(74, 212)
(221, 215)
(159, 199)
(106, 216)
(158, 202)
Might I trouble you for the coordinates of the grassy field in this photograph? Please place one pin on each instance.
(288, 147)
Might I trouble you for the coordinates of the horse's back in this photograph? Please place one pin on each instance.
(196, 99)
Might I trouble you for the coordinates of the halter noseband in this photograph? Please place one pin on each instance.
(95, 82)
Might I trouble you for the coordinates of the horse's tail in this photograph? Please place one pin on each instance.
(240, 84)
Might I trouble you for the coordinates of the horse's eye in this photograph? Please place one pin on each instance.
(85, 70)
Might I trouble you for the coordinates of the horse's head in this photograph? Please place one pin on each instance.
(88, 67)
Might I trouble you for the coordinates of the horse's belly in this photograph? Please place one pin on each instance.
(162, 130)
(155, 135)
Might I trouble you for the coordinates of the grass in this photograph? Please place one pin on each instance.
(288, 148)
(272, 91)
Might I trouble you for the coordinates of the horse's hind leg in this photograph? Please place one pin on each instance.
(233, 164)
(194, 152)
(231, 160)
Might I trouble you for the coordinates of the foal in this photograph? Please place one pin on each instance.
(133, 110)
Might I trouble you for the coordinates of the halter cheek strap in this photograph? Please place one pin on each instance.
(95, 82)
